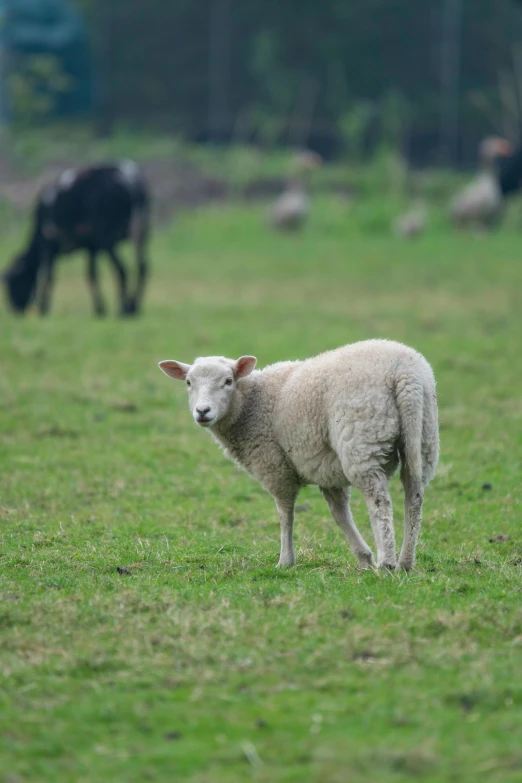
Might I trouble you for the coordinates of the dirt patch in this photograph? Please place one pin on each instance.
(174, 185)
(20, 190)
(179, 185)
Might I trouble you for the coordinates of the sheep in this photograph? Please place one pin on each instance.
(345, 418)
(93, 208)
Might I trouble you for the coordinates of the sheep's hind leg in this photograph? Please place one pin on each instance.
(413, 498)
(121, 277)
(139, 238)
(378, 500)
(339, 504)
(285, 509)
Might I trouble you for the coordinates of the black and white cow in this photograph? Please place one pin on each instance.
(93, 209)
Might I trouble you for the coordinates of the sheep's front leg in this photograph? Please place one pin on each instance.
(94, 284)
(285, 509)
(46, 284)
(339, 504)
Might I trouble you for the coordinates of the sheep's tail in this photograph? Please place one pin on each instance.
(417, 403)
(430, 434)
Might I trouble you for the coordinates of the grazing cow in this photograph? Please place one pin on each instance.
(93, 209)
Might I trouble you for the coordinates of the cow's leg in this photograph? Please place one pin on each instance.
(94, 283)
(121, 277)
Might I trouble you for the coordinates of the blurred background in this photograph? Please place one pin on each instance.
(213, 96)
(431, 77)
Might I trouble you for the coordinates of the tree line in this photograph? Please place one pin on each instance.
(431, 76)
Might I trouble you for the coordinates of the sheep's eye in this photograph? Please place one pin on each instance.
(228, 382)
(188, 383)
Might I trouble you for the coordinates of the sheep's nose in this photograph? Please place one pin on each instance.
(203, 411)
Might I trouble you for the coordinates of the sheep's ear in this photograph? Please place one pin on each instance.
(176, 370)
(244, 366)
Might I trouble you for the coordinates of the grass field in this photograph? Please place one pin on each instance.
(200, 661)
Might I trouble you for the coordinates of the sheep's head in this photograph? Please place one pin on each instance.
(211, 383)
(20, 282)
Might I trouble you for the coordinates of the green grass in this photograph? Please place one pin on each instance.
(202, 662)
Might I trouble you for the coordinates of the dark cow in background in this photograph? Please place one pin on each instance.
(93, 209)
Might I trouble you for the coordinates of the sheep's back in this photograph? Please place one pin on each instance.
(342, 405)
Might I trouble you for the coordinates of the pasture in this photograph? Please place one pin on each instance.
(145, 633)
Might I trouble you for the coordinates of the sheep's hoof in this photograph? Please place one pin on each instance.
(405, 565)
(387, 566)
(366, 560)
(285, 564)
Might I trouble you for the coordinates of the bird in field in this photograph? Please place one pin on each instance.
(480, 203)
(291, 209)
(413, 222)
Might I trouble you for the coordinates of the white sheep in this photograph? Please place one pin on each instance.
(346, 417)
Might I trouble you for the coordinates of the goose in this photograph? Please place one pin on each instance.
(480, 203)
(290, 210)
(413, 222)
